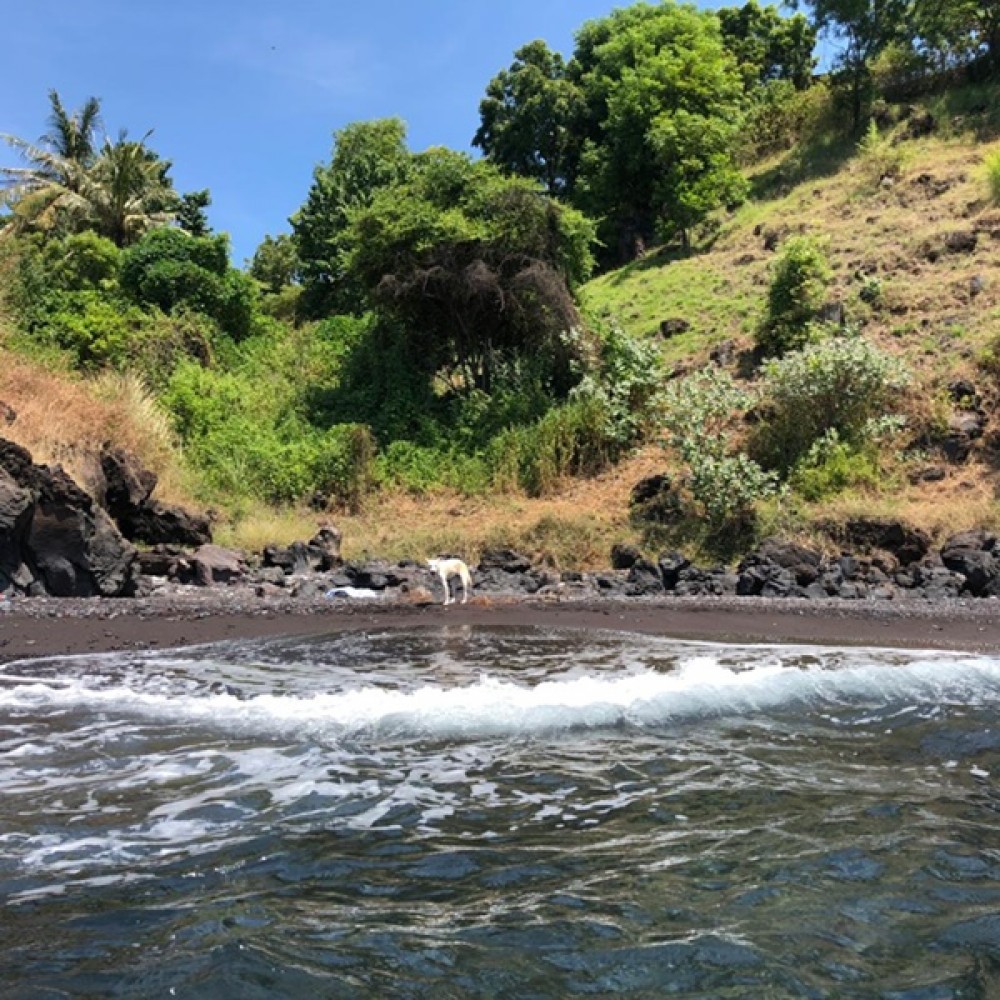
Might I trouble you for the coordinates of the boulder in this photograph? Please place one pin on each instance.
(671, 565)
(156, 523)
(972, 555)
(293, 559)
(505, 560)
(127, 484)
(624, 556)
(655, 499)
(673, 326)
(906, 543)
(724, 353)
(214, 564)
(961, 241)
(126, 493)
(53, 539)
(803, 563)
(325, 545)
(643, 579)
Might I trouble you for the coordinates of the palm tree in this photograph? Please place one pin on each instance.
(127, 191)
(40, 193)
(118, 188)
(74, 136)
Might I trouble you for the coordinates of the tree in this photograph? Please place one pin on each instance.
(171, 270)
(531, 119)
(479, 266)
(367, 157)
(768, 46)
(191, 215)
(73, 136)
(958, 31)
(275, 262)
(664, 99)
(126, 193)
(38, 193)
(72, 183)
(866, 28)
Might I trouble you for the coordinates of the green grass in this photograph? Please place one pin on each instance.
(717, 300)
(992, 166)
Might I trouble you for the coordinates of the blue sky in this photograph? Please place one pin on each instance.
(244, 96)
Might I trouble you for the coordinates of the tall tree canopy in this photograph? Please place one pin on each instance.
(957, 32)
(664, 99)
(768, 46)
(531, 119)
(478, 265)
(636, 128)
(865, 28)
(367, 156)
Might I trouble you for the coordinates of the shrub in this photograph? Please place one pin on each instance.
(81, 261)
(171, 269)
(832, 465)
(842, 384)
(878, 158)
(724, 485)
(423, 469)
(574, 439)
(626, 382)
(780, 115)
(992, 170)
(95, 330)
(798, 286)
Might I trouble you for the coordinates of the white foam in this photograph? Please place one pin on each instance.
(700, 686)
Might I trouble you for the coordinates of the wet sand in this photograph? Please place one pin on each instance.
(51, 627)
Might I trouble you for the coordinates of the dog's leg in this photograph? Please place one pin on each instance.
(465, 588)
(447, 591)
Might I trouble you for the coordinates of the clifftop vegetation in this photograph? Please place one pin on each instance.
(682, 252)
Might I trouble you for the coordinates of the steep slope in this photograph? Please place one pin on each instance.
(916, 265)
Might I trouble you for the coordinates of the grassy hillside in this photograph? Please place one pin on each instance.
(904, 269)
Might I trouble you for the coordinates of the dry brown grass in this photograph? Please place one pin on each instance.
(574, 530)
(65, 421)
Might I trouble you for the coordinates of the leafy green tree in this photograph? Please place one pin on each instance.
(172, 270)
(531, 119)
(768, 46)
(865, 28)
(191, 215)
(275, 262)
(958, 31)
(664, 97)
(367, 157)
(479, 266)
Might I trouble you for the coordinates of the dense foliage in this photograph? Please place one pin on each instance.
(419, 326)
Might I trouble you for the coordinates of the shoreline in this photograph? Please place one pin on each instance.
(44, 627)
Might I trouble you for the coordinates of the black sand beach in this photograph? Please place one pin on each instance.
(36, 627)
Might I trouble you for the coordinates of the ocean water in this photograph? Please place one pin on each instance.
(460, 813)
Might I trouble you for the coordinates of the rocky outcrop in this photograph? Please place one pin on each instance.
(126, 493)
(320, 554)
(54, 540)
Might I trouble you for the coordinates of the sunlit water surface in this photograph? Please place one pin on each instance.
(461, 813)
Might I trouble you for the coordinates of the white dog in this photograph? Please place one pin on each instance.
(446, 568)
